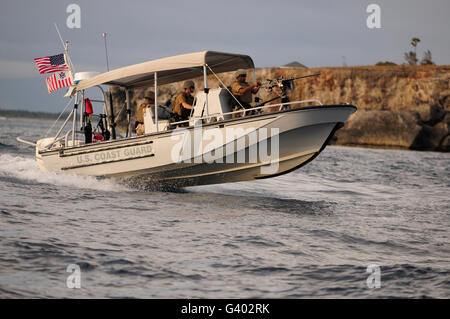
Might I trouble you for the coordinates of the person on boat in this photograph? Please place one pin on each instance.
(242, 90)
(149, 101)
(182, 105)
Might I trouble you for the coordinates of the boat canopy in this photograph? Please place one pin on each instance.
(170, 69)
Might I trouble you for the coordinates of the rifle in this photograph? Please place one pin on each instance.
(169, 100)
(285, 84)
(166, 106)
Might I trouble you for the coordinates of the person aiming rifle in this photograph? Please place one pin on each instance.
(282, 84)
(242, 90)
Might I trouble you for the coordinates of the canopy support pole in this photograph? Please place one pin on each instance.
(112, 124)
(82, 108)
(257, 99)
(156, 101)
(127, 95)
(206, 89)
(75, 107)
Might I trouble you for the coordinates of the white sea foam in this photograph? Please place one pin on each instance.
(26, 168)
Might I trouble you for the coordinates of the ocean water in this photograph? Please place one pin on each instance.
(310, 233)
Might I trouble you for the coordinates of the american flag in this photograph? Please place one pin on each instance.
(50, 64)
(58, 80)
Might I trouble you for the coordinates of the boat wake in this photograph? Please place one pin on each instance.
(26, 169)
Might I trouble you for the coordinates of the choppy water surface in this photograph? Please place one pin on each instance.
(311, 233)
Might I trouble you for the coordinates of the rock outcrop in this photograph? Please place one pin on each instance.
(404, 107)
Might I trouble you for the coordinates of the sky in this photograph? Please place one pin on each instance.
(316, 33)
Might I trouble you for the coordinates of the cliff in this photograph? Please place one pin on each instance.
(398, 106)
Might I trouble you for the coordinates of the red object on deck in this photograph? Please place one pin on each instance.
(98, 137)
(88, 104)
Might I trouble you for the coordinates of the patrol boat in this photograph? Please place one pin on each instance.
(216, 145)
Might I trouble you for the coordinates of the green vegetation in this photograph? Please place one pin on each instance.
(385, 63)
(427, 60)
(411, 56)
(414, 42)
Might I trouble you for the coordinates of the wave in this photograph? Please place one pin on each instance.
(2, 145)
(26, 169)
(315, 186)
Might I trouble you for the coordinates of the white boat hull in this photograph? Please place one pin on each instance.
(149, 160)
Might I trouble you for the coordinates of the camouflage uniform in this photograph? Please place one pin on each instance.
(140, 128)
(140, 112)
(245, 98)
(182, 97)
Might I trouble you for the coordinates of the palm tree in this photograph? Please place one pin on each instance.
(411, 56)
(414, 43)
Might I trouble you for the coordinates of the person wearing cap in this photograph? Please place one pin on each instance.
(242, 90)
(182, 105)
(149, 100)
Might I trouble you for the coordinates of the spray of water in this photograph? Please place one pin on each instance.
(26, 168)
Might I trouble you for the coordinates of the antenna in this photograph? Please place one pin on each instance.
(60, 37)
(104, 34)
(66, 48)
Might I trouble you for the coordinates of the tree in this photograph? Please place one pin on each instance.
(386, 63)
(411, 56)
(427, 60)
(414, 43)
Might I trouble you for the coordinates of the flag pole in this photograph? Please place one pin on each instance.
(60, 37)
(66, 50)
(104, 34)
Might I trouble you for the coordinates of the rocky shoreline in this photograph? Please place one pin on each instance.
(397, 129)
(404, 107)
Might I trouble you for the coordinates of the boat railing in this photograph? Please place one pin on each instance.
(245, 111)
(64, 138)
(56, 140)
(208, 118)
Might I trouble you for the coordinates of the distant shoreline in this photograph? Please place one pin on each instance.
(29, 114)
